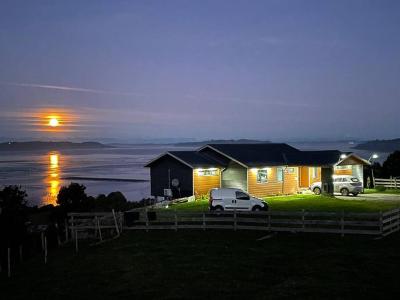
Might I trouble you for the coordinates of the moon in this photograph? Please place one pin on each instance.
(53, 122)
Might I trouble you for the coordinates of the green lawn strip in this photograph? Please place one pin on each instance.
(387, 191)
(213, 265)
(306, 202)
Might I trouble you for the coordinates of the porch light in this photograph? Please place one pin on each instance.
(343, 156)
(254, 170)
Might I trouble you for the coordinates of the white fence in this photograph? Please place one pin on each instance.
(377, 224)
(393, 182)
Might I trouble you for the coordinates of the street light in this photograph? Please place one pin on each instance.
(371, 158)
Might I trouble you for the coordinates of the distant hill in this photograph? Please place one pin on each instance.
(202, 143)
(380, 145)
(36, 145)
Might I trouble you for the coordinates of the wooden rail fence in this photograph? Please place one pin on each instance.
(377, 224)
(393, 182)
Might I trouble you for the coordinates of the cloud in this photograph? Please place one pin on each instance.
(192, 97)
(70, 89)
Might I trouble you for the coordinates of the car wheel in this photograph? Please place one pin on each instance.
(317, 191)
(219, 208)
(355, 194)
(344, 192)
(256, 208)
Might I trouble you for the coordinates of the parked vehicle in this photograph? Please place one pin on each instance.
(343, 184)
(234, 199)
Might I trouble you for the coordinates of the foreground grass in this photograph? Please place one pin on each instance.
(307, 202)
(214, 265)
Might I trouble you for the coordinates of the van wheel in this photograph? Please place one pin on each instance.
(355, 194)
(317, 191)
(256, 208)
(344, 192)
(219, 208)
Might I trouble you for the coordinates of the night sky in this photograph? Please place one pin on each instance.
(277, 70)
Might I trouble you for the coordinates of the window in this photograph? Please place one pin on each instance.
(207, 172)
(242, 196)
(279, 174)
(344, 167)
(355, 179)
(290, 170)
(315, 172)
(262, 176)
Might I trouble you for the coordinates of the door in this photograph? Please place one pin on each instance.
(242, 201)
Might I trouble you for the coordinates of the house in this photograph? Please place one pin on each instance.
(260, 169)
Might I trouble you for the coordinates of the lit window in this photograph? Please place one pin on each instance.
(290, 170)
(344, 167)
(262, 176)
(207, 172)
(315, 172)
(279, 174)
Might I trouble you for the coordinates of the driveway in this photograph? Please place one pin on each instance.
(375, 196)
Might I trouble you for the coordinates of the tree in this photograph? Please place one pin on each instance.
(392, 164)
(13, 215)
(74, 198)
(114, 200)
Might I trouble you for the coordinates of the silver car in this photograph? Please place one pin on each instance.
(343, 184)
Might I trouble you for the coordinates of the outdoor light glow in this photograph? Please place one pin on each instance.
(375, 155)
(343, 156)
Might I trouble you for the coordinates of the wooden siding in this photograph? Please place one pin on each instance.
(159, 176)
(314, 179)
(203, 184)
(273, 187)
(343, 172)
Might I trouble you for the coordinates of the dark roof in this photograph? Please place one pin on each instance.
(253, 155)
(192, 158)
(314, 158)
(257, 155)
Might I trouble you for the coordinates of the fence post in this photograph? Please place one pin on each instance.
(120, 220)
(176, 221)
(66, 230)
(342, 224)
(76, 241)
(8, 262)
(45, 250)
(204, 221)
(115, 221)
(234, 220)
(99, 229)
(42, 239)
(147, 220)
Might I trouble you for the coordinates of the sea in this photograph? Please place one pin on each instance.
(103, 170)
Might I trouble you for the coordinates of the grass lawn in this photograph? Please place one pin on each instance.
(213, 265)
(307, 202)
(387, 191)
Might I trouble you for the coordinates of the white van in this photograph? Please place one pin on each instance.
(234, 199)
